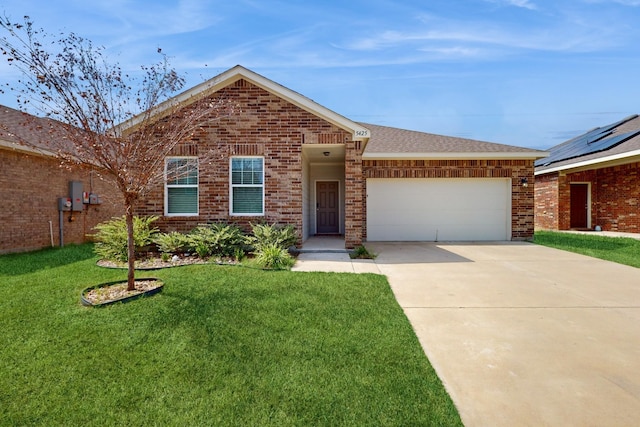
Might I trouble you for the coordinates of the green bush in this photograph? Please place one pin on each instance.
(274, 257)
(172, 243)
(362, 253)
(111, 237)
(265, 235)
(216, 240)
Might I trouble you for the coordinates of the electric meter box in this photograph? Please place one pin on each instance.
(64, 204)
(94, 199)
(75, 192)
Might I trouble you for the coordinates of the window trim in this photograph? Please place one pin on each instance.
(232, 186)
(167, 186)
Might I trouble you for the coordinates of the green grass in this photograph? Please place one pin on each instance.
(617, 249)
(221, 345)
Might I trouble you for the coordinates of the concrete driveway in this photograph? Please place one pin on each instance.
(523, 335)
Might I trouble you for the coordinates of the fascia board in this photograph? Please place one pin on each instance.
(26, 149)
(34, 151)
(454, 155)
(592, 162)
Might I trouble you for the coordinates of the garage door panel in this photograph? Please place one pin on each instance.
(438, 209)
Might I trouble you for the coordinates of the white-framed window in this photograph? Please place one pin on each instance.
(247, 186)
(181, 186)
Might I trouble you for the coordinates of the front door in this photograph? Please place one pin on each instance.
(327, 207)
(579, 205)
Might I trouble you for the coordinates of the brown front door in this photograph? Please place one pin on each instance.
(579, 205)
(327, 207)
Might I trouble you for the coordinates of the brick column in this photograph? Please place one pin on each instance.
(354, 195)
(564, 203)
(522, 201)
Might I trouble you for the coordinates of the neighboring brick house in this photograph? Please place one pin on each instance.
(32, 180)
(285, 159)
(592, 180)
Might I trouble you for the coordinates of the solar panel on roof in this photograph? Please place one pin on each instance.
(605, 144)
(594, 141)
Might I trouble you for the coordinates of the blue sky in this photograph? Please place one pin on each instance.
(531, 73)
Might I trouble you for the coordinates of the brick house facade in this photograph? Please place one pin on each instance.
(614, 198)
(30, 185)
(276, 130)
(299, 146)
(592, 190)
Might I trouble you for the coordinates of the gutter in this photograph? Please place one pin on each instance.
(591, 162)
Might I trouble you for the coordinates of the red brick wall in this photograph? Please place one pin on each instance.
(615, 198)
(522, 218)
(30, 186)
(546, 202)
(355, 196)
(265, 125)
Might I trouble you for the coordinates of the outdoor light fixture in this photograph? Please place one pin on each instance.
(524, 182)
(326, 153)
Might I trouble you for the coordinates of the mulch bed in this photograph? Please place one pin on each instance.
(154, 263)
(119, 291)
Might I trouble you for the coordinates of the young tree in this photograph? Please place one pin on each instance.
(121, 124)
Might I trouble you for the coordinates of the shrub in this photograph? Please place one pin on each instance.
(265, 235)
(216, 240)
(362, 253)
(111, 237)
(274, 257)
(172, 243)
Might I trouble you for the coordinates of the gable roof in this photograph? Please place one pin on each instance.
(239, 72)
(616, 142)
(382, 142)
(393, 143)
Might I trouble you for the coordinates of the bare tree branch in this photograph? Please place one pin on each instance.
(99, 116)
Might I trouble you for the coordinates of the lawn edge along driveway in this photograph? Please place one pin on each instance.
(522, 334)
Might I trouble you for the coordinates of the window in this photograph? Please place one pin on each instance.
(181, 189)
(247, 186)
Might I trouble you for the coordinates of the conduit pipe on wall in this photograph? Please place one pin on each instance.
(51, 231)
(61, 213)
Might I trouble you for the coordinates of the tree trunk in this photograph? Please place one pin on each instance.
(131, 248)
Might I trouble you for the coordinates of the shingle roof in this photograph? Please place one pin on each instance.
(19, 130)
(16, 127)
(624, 126)
(389, 141)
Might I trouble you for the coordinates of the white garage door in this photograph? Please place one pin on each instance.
(438, 209)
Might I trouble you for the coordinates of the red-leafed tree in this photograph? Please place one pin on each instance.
(120, 124)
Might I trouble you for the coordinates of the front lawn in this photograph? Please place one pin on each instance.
(221, 345)
(622, 250)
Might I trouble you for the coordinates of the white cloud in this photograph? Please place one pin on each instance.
(542, 40)
(526, 4)
(479, 38)
(622, 2)
(456, 51)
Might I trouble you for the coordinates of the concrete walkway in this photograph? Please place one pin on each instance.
(334, 262)
(328, 254)
(520, 334)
